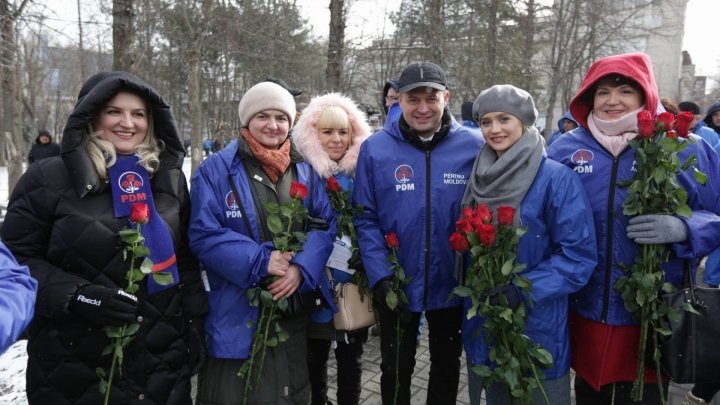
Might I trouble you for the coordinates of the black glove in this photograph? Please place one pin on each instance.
(197, 351)
(356, 263)
(380, 292)
(511, 293)
(105, 306)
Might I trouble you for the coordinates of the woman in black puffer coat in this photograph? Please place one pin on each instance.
(62, 223)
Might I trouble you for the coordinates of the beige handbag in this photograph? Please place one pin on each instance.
(353, 314)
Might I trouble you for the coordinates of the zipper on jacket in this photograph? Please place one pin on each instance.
(427, 227)
(609, 239)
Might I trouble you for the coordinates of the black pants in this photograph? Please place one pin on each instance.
(620, 391)
(445, 348)
(706, 391)
(349, 367)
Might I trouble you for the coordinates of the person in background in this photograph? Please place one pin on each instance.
(712, 117)
(466, 112)
(603, 333)
(230, 236)
(697, 126)
(558, 248)
(328, 135)
(565, 124)
(389, 95)
(17, 298)
(120, 144)
(402, 184)
(44, 147)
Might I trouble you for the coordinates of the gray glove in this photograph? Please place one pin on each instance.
(657, 229)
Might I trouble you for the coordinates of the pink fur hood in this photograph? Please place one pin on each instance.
(305, 135)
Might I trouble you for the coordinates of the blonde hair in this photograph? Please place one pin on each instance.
(334, 117)
(103, 155)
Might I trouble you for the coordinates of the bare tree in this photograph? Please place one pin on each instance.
(123, 35)
(10, 102)
(336, 46)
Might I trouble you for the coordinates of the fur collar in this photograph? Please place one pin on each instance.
(305, 136)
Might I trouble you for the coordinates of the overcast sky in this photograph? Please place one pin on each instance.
(369, 16)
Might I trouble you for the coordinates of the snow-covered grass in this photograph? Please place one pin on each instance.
(12, 375)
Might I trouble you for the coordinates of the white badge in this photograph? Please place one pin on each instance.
(341, 254)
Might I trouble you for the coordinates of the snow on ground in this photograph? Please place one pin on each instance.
(14, 361)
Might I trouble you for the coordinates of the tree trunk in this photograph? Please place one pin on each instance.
(436, 41)
(336, 46)
(123, 35)
(194, 75)
(528, 48)
(490, 62)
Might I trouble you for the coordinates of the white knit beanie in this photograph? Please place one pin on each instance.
(266, 96)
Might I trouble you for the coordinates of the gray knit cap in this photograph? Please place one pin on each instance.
(266, 96)
(505, 98)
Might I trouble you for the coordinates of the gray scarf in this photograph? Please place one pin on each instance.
(505, 180)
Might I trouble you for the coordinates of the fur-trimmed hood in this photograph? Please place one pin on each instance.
(305, 135)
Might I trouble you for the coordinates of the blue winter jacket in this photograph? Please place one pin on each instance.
(415, 194)
(709, 136)
(559, 251)
(17, 298)
(598, 170)
(234, 261)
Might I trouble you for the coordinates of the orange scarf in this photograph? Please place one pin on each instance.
(274, 161)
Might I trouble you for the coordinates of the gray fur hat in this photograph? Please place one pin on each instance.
(266, 96)
(505, 98)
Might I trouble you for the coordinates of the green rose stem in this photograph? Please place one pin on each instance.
(280, 221)
(123, 335)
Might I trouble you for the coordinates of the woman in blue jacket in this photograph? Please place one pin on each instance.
(604, 336)
(329, 134)
(17, 298)
(558, 247)
(229, 235)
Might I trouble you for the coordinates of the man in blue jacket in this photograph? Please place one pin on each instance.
(17, 298)
(410, 179)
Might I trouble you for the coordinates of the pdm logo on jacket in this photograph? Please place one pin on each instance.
(232, 205)
(404, 177)
(581, 158)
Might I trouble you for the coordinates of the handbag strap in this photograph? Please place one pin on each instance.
(688, 280)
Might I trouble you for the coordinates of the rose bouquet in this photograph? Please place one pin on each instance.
(345, 211)
(654, 190)
(494, 266)
(281, 220)
(121, 336)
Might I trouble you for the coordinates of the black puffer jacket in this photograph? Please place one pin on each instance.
(60, 223)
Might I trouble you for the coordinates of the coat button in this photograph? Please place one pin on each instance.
(89, 187)
(141, 397)
(139, 319)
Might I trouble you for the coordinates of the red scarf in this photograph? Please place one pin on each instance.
(274, 161)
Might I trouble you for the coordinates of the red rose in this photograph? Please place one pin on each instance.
(666, 120)
(505, 215)
(683, 122)
(646, 124)
(333, 185)
(391, 240)
(463, 226)
(477, 223)
(487, 234)
(468, 213)
(459, 243)
(483, 212)
(670, 134)
(298, 191)
(139, 213)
